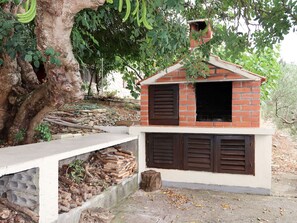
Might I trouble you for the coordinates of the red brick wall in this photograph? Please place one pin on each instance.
(215, 74)
(187, 105)
(144, 115)
(245, 101)
(207, 37)
(245, 106)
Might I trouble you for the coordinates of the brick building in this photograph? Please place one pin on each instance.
(206, 132)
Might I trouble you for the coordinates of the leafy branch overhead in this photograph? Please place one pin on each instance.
(139, 11)
(30, 11)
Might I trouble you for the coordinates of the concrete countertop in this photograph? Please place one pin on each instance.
(134, 130)
(18, 158)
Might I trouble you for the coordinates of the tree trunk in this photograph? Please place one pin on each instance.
(150, 181)
(54, 22)
(9, 78)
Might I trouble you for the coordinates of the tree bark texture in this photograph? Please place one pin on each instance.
(150, 181)
(54, 23)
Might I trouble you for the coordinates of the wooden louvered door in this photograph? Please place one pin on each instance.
(234, 154)
(162, 150)
(163, 104)
(201, 152)
(198, 152)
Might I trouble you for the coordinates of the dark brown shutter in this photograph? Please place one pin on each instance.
(234, 154)
(162, 150)
(163, 104)
(198, 152)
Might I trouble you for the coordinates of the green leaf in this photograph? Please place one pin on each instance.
(28, 58)
(36, 63)
(49, 51)
(58, 62)
(53, 60)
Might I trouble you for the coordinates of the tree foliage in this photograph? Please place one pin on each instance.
(131, 47)
(21, 41)
(238, 26)
(261, 23)
(265, 63)
(283, 105)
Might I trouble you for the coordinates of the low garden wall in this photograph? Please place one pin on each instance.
(34, 168)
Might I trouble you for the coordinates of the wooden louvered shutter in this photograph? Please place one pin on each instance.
(162, 150)
(163, 104)
(234, 154)
(198, 152)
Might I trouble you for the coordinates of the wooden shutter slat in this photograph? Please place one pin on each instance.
(202, 154)
(161, 150)
(198, 152)
(198, 160)
(234, 154)
(164, 104)
(201, 166)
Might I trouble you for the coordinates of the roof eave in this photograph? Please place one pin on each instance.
(213, 60)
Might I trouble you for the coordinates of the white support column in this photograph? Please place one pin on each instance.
(141, 155)
(48, 191)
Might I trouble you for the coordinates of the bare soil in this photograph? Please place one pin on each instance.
(284, 154)
(172, 205)
(86, 117)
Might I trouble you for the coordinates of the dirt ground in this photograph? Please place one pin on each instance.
(176, 205)
(192, 206)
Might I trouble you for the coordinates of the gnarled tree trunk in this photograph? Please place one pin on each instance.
(54, 22)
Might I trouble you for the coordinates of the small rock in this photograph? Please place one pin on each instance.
(5, 213)
(99, 215)
(100, 110)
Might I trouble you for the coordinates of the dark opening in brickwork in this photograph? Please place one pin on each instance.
(214, 101)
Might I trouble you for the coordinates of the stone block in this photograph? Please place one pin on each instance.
(23, 199)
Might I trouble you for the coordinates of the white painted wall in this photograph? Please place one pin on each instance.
(260, 182)
(116, 83)
(46, 157)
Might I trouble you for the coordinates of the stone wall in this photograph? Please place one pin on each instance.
(21, 188)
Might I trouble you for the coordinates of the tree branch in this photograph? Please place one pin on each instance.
(28, 74)
(284, 120)
(78, 5)
(68, 124)
(34, 217)
(132, 68)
